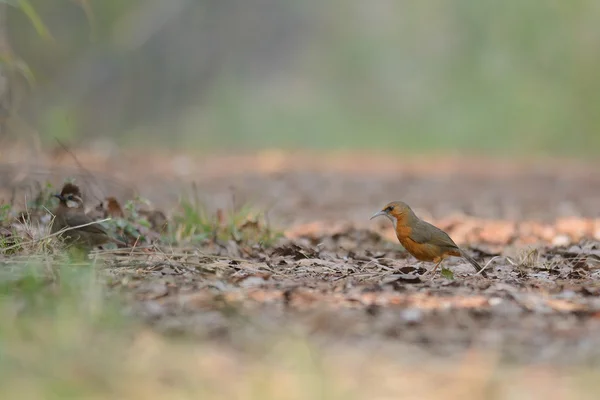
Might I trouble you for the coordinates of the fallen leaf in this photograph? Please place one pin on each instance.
(446, 273)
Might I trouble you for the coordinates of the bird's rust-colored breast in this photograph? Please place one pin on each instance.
(422, 252)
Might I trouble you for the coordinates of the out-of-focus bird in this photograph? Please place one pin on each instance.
(110, 207)
(70, 214)
(422, 240)
(113, 208)
(158, 219)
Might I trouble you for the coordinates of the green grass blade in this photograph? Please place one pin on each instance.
(35, 20)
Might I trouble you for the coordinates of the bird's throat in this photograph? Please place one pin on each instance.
(73, 204)
(393, 219)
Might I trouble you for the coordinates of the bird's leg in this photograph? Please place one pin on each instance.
(435, 268)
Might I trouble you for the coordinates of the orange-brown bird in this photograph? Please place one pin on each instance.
(70, 214)
(422, 240)
(113, 208)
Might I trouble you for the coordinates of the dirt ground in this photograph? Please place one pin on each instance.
(342, 279)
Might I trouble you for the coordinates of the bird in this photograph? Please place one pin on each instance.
(422, 240)
(113, 208)
(70, 213)
(109, 208)
(157, 219)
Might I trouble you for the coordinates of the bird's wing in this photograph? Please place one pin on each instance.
(420, 233)
(82, 219)
(424, 232)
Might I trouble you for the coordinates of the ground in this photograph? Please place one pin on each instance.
(339, 285)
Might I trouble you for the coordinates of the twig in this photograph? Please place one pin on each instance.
(122, 250)
(134, 244)
(511, 262)
(486, 265)
(199, 254)
(5, 249)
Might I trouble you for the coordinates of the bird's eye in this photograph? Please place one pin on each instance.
(389, 209)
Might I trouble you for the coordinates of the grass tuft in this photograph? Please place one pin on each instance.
(194, 223)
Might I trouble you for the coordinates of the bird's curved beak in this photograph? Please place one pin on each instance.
(58, 196)
(379, 213)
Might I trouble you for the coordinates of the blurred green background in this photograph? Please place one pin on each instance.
(515, 77)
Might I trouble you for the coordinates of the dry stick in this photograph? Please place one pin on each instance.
(134, 244)
(5, 249)
(123, 250)
(200, 253)
(152, 246)
(511, 262)
(486, 265)
(171, 264)
(191, 262)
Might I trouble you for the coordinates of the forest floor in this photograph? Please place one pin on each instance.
(327, 305)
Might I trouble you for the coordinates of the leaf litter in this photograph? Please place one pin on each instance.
(349, 281)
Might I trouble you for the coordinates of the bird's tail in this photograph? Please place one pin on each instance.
(474, 263)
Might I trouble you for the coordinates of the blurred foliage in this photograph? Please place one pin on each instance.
(4, 212)
(502, 77)
(193, 224)
(32, 15)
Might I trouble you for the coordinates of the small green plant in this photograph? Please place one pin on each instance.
(194, 223)
(446, 273)
(134, 225)
(5, 210)
(8, 239)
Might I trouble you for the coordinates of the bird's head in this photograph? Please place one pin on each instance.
(70, 196)
(395, 211)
